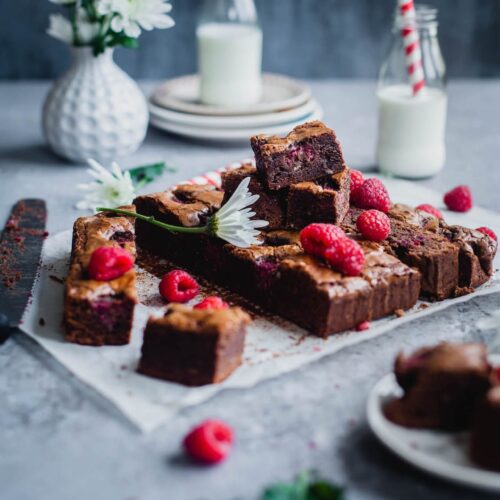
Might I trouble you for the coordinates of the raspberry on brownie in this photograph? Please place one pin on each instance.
(308, 152)
(100, 311)
(194, 346)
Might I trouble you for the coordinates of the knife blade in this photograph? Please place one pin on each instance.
(20, 252)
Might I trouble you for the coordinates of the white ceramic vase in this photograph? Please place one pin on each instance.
(95, 110)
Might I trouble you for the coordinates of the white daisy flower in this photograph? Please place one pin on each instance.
(60, 28)
(111, 187)
(233, 222)
(63, 2)
(130, 16)
(492, 323)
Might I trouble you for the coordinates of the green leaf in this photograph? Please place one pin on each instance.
(303, 489)
(129, 42)
(148, 173)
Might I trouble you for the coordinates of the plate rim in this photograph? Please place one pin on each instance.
(257, 120)
(466, 476)
(235, 134)
(259, 108)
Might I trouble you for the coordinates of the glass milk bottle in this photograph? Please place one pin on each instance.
(229, 53)
(411, 128)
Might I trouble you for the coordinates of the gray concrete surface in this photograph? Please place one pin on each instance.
(60, 440)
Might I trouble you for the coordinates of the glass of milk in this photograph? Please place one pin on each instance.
(229, 53)
(411, 129)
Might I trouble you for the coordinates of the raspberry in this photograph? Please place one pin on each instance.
(109, 263)
(316, 238)
(346, 256)
(357, 179)
(372, 194)
(374, 225)
(425, 207)
(459, 199)
(365, 325)
(209, 442)
(212, 302)
(178, 286)
(488, 231)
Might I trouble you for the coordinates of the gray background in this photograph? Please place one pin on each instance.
(303, 38)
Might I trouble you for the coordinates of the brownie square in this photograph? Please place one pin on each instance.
(307, 153)
(99, 312)
(194, 346)
(270, 206)
(323, 200)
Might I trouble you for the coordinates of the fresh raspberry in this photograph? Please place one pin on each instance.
(459, 199)
(211, 302)
(346, 256)
(178, 286)
(357, 179)
(209, 442)
(365, 325)
(372, 194)
(374, 225)
(109, 263)
(425, 207)
(488, 231)
(316, 238)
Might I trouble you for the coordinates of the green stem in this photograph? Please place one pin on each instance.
(152, 220)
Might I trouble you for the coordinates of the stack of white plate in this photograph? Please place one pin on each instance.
(285, 103)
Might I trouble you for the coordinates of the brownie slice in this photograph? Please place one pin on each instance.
(431, 253)
(194, 346)
(322, 200)
(485, 432)
(324, 302)
(270, 206)
(442, 386)
(99, 312)
(309, 152)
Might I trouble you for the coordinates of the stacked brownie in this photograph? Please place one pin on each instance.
(99, 312)
(300, 179)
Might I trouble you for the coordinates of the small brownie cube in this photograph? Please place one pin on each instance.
(194, 346)
(270, 206)
(485, 432)
(323, 200)
(442, 386)
(99, 312)
(307, 153)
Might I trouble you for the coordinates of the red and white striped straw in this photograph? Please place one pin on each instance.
(411, 42)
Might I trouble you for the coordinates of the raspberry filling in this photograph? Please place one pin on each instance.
(299, 153)
(109, 263)
(266, 270)
(178, 286)
(210, 442)
(108, 311)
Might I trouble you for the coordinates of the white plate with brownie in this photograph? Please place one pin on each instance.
(440, 412)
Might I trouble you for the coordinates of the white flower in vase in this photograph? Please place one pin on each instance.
(60, 28)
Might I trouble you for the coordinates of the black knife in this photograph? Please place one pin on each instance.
(20, 252)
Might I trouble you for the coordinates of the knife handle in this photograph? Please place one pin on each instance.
(5, 328)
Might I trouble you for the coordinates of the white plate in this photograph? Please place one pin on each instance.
(442, 454)
(278, 93)
(261, 120)
(234, 134)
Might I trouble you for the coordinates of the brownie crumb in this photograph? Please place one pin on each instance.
(423, 306)
(41, 322)
(399, 313)
(55, 278)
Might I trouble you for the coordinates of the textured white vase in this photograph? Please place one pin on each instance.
(95, 110)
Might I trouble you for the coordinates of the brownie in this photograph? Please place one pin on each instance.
(309, 152)
(485, 432)
(99, 312)
(322, 200)
(442, 386)
(323, 301)
(194, 346)
(431, 253)
(271, 204)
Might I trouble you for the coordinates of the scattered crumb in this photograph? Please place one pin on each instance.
(123, 367)
(399, 313)
(41, 322)
(317, 348)
(56, 279)
(423, 306)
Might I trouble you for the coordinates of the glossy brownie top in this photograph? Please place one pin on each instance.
(90, 233)
(239, 173)
(180, 318)
(269, 144)
(186, 204)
